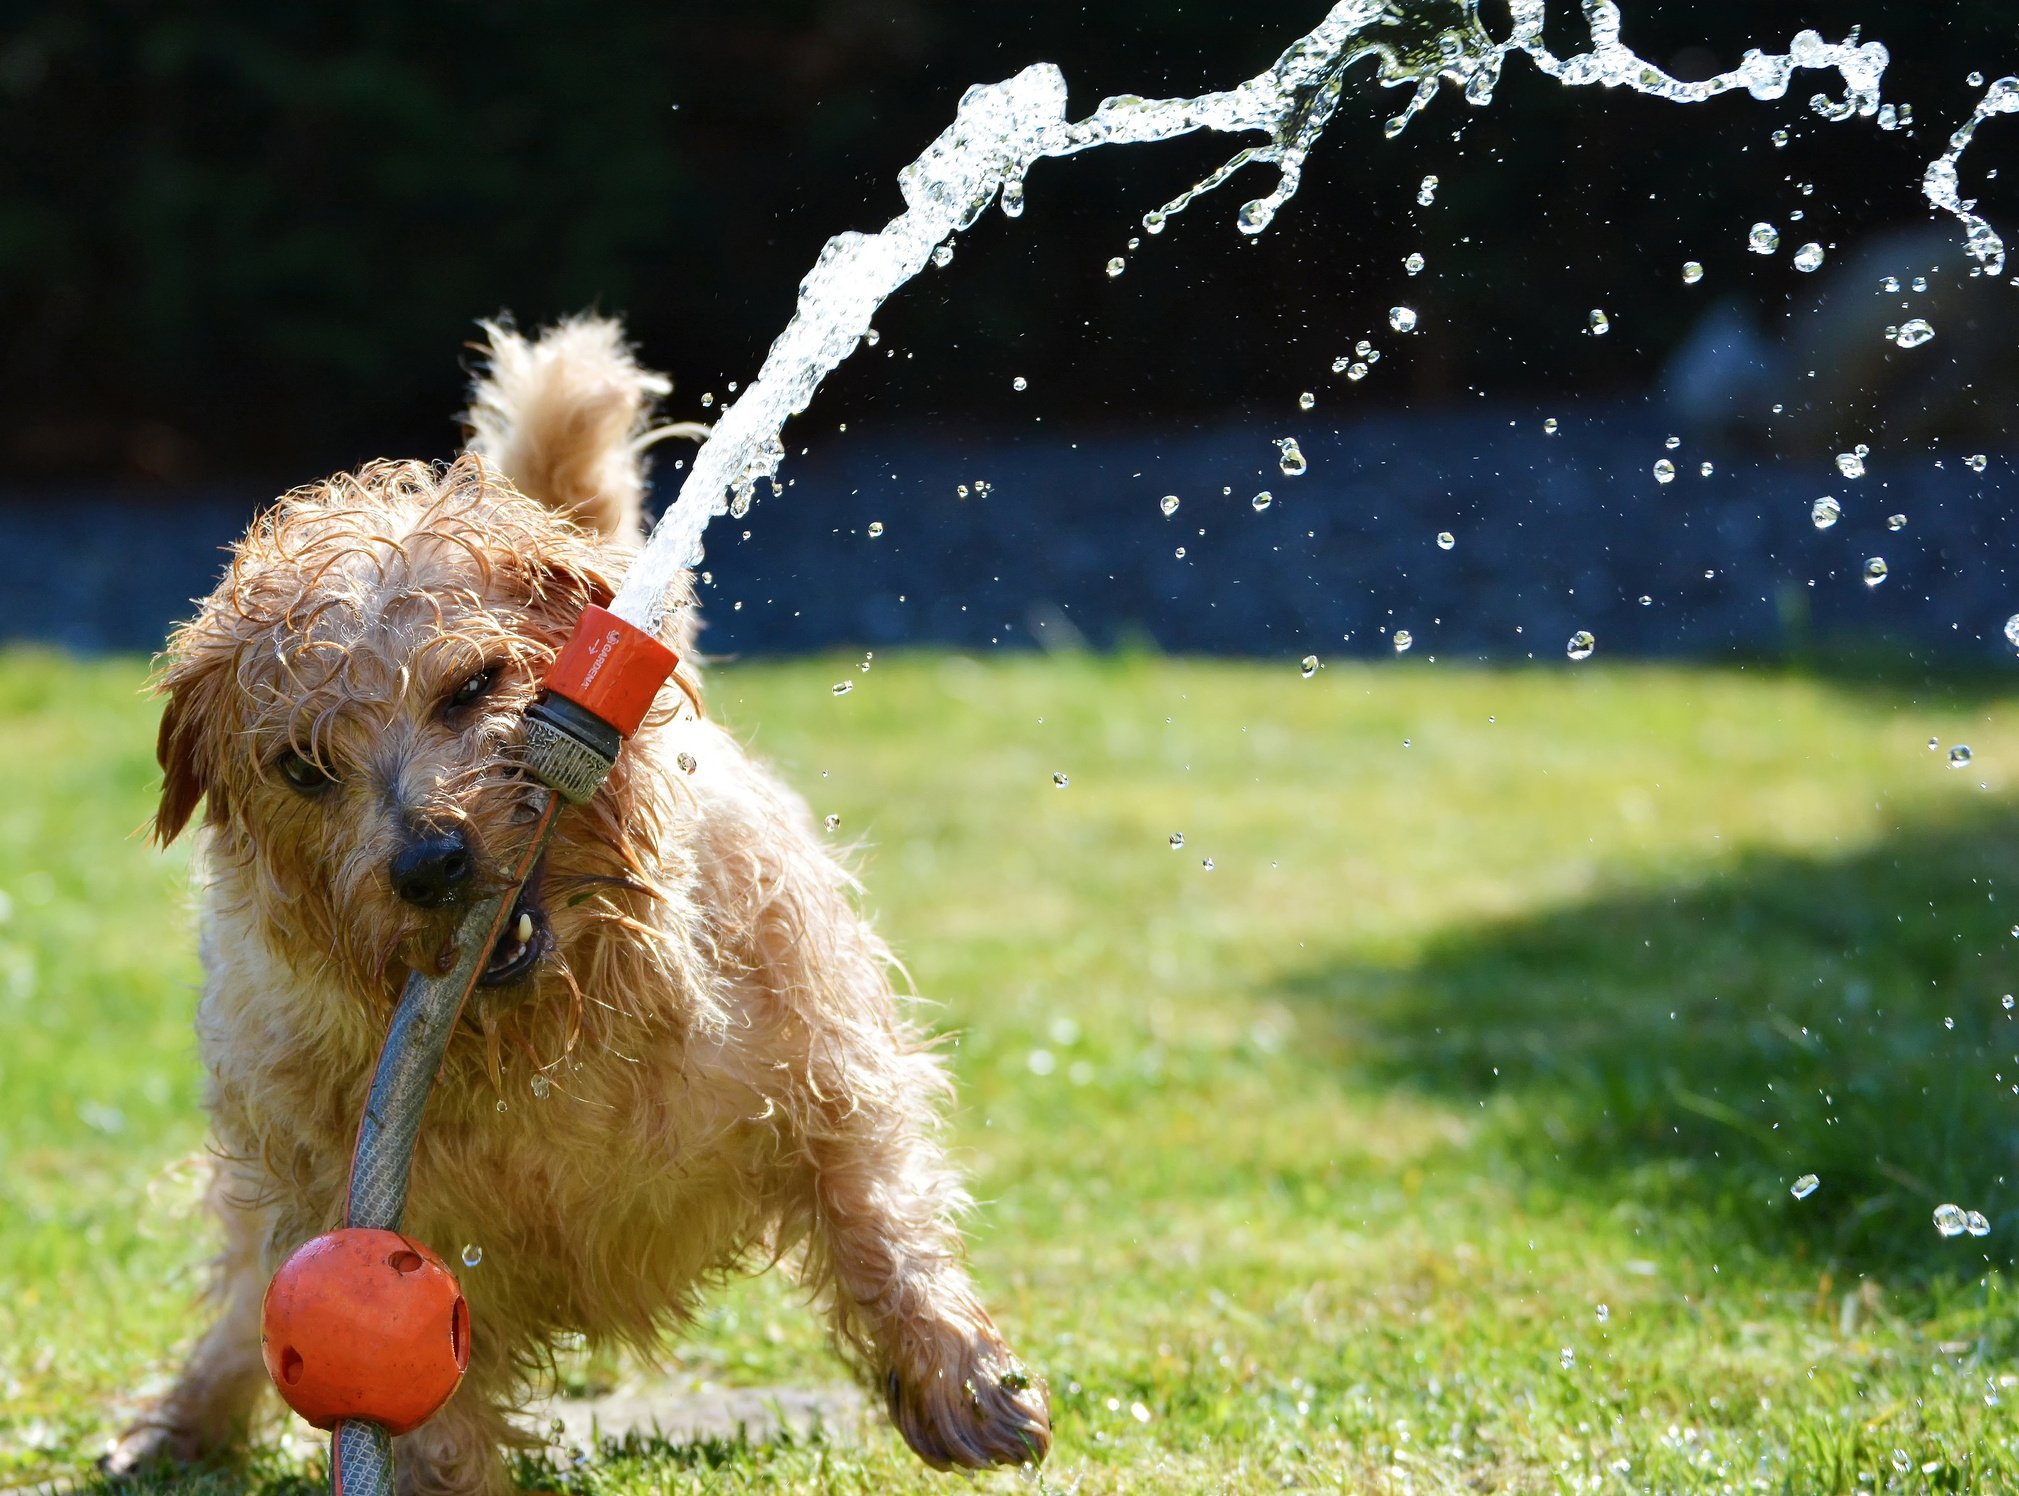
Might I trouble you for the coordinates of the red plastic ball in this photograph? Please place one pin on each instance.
(365, 1324)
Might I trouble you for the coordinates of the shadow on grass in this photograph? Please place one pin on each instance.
(1694, 1050)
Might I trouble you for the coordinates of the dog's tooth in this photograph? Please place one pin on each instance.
(525, 929)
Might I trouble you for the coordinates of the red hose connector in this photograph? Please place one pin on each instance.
(596, 693)
(611, 669)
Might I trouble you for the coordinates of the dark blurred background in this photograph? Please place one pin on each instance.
(243, 246)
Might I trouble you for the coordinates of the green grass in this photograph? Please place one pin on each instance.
(1508, 996)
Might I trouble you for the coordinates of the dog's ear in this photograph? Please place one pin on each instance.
(193, 685)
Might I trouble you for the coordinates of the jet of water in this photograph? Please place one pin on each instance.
(1001, 129)
(1940, 185)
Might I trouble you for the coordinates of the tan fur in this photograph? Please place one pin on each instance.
(729, 1078)
(569, 416)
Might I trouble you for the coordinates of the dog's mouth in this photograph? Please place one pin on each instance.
(526, 939)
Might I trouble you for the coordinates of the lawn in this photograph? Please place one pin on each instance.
(1426, 1122)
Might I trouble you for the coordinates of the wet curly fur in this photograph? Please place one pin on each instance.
(707, 1069)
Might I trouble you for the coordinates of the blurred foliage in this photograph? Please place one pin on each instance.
(239, 237)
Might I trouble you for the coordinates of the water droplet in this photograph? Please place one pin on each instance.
(1307, 401)
(1704, 469)
(1804, 1187)
(1357, 372)
(686, 762)
(1779, 138)
(1975, 1223)
(1851, 464)
(1403, 639)
(1291, 458)
(1599, 323)
(1809, 257)
(833, 823)
(1402, 318)
(707, 400)
(1975, 79)
(1646, 601)
(1604, 1313)
(2012, 631)
(943, 256)
(1309, 666)
(1581, 645)
(1254, 216)
(1207, 864)
(1179, 553)
(1913, 334)
(1154, 221)
(843, 687)
(1825, 512)
(872, 337)
(1020, 383)
(504, 1105)
(1959, 756)
(1919, 283)
(1693, 271)
(1896, 522)
(875, 529)
(1549, 427)
(541, 1087)
(2007, 1001)
(1977, 462)
(1664, 471)
(1060, 780)
(1426, 194)
(1567, 1359)
(1763, 239)
(1177, 840)
(1875, 571)
(1261, 501)
(1950, 1220)
(1445, 540)
(1414, 264)
(1116, 266)
(1672, 442)
(472, 1254)
(1169, 504)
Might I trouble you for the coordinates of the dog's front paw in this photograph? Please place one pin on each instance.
(152, 1444)
(973, 1410)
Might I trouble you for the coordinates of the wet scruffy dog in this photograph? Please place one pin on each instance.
(685, 1055)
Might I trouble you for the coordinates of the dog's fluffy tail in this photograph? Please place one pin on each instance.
(567, 417)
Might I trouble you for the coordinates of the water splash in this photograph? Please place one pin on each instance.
(1941, 184)
(1002, 129)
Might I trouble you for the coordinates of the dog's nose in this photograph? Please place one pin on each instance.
(432, 870)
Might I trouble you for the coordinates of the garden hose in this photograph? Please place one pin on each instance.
(365, 1332)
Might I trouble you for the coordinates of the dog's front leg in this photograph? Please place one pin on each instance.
(881, 1198)
(206, 1412)
(955, 1390)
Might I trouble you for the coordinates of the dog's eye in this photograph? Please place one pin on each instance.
(307, 777)
(474, 687)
